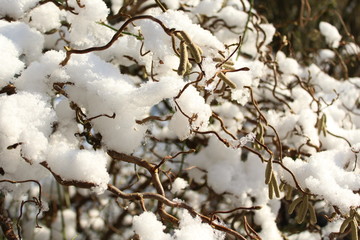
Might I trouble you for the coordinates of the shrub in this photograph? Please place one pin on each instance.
(178, 120)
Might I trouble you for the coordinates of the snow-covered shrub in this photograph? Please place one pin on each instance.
(174, 120)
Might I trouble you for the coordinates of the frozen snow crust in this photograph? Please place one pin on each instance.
(188, 109)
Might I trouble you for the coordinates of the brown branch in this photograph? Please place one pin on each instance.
(235, 209)
(59, 179)
(250, 231)
(293, 177)
(9, 89)
(274, 68)
(216, 134)
(262, 117)
(6, 224)
(118, 34)
(155, 178)
(152, 118)
(174, 156)
(5, 221)
(348, 142)
(60, 6)
(167, 202)
(216, 116)
(235, 50)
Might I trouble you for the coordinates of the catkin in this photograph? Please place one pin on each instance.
(354, 229)
(271, 191)
(275, 186)
(183, 59)
(193, 48)
(324, 124)
(312, 212)
(357, 216)
(288, 190)
(188, 66)
(217, 59)
(226, 80)
(294, 204)
(228, 66)
(259, 137)
(282, 186)
(228, 62)
(303, 209)
(345, 224)
(268, 172)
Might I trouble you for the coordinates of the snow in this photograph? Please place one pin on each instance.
(160, 43)
(31, 130)
(61, 120)
(331, 34)
(233, 17)
(191, 228)
(45, 17)
(148, 227)
(178, 185)
(70, 225)
(269, 229)
(252, 37)
(85, 31)
(326, 54)
(287, 65)
(9, 63)
(324, 175)
(16, 9)
(208, 7)
(28, 41)
(194, 106)
(351, 49)
(86, 165)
